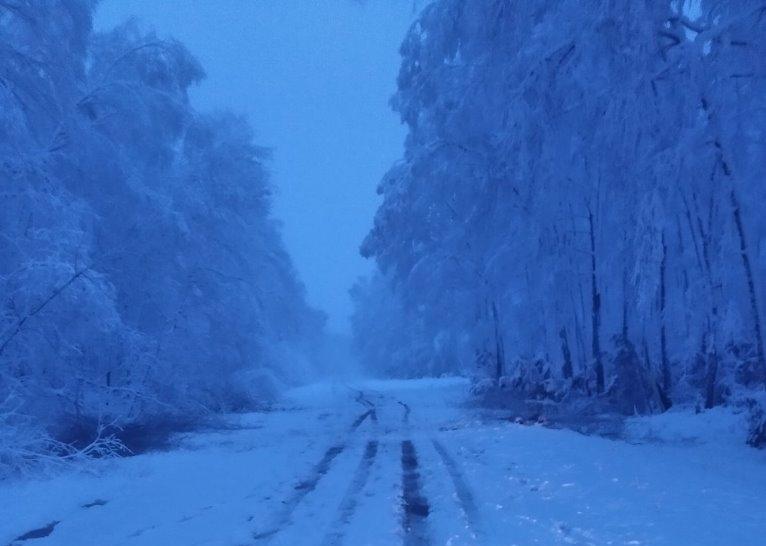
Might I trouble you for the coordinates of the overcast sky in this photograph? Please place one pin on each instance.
(314, 77)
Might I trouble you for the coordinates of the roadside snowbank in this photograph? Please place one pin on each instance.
(720, 425)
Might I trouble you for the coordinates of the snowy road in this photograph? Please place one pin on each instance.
(389, 463)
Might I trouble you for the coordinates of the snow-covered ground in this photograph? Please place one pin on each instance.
(403, 462)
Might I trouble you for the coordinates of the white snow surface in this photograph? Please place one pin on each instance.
(327, 467)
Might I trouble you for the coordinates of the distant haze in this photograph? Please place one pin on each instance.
(314, 78)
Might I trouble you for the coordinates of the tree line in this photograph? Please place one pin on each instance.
(579, 210)
(143, 279)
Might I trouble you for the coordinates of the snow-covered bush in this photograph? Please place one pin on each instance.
(26, 446)
(634, 388)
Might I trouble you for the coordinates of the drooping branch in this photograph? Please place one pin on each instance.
(39, 307)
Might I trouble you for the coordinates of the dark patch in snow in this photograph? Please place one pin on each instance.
(266, 534)
(136, 438)
(415, 506)
(142, 531)
(591, 417)
(97, 502)
(42, 532)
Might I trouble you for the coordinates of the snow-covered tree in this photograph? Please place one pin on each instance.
(142, 275)
(579, 196)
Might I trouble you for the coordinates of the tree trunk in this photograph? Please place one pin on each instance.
(709, 345)
(664, 364)
(595, 310)
(625, 304)
(499, 348)
(723, 162)
(566, 369)
(750, 283)
(711, 381)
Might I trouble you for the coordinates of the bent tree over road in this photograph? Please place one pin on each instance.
(397, 462)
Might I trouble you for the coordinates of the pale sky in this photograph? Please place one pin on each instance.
(314, 78)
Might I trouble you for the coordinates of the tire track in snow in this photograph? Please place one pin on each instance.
(371, 413)
(464, 495)
(415, 507)
(300, 491)
(309, 484)
(359, 420)
(362, 399)
(350, 500)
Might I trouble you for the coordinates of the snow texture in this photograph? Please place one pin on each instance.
(306, 473)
